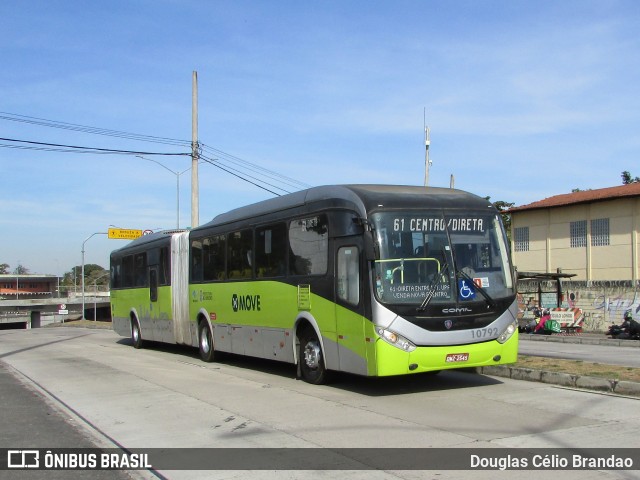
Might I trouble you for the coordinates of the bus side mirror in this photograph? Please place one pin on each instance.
(371, 250)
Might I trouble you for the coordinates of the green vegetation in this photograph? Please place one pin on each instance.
(579, 367)
(93, 275)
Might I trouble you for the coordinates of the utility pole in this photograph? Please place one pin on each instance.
(427, 143)
(195, 196)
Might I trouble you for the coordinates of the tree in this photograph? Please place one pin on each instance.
(21, 270)
(92, 274)
(627, 179)
(95, 275)
(69, 278)
(4, 268)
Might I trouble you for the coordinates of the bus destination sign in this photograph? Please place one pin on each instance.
(453, 224)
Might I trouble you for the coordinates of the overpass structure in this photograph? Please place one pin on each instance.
(30, 313)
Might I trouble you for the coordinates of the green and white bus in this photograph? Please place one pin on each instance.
(374, 280)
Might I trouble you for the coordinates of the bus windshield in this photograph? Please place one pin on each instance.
(440, 257)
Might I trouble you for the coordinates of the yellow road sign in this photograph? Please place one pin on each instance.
(124, 233)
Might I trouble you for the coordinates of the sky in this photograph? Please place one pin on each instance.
(524, 100)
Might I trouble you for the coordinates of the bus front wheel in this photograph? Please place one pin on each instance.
(311, 358)
(205, 344)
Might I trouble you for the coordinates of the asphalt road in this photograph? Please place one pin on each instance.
(64, 386)
(627, 355)
(30, 419)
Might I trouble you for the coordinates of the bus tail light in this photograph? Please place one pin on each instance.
(396, 340)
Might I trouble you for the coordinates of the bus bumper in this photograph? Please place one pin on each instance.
(391, 360)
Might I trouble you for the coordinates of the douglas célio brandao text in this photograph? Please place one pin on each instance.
(550, 462)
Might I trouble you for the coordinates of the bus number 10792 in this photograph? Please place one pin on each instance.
(484, 333)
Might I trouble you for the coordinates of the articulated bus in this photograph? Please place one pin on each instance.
(368, 279)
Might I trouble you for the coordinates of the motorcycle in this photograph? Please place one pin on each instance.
(542, 323)
(629, 330)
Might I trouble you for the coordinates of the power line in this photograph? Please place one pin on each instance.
(212, 161)
(93, 130)
(255, 169)
(84, 149)
(242, 169)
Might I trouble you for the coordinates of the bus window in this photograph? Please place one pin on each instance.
(116, 278)
(309, 243)
(196, 261)
(213, 258)
(165, 267)
(140, 269)
(239, 255)
(271, 250)
(348, 275)
(127, 271)
(153, 284)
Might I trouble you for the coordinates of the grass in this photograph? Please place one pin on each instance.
(83, 323)
(579, 367)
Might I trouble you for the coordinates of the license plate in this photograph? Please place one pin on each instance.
(457, 357)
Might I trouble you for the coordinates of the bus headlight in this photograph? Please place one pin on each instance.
(396, 340)
(508, 332)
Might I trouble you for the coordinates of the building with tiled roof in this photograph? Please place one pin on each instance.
(593, 234)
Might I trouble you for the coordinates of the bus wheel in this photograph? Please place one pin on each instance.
(312, 359)
(136, 336)
(205, 344)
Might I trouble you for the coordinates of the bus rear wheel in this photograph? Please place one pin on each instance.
(311, 358)
(205, 343)
(136, 335)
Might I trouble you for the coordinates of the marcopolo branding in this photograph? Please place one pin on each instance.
(457, 310)
(245, 303)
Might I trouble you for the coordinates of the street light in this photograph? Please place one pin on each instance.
(177, 174)
(82, 274)
(18, 280)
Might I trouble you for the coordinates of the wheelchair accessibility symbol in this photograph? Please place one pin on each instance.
(466, 289)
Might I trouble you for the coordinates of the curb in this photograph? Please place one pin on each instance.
(600, 384)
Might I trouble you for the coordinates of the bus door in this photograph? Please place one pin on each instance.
(154, 308)
(349, 305)
(157, 303)
(153, 285)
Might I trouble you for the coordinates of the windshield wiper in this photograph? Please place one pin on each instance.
(483, 292)
(434, 287)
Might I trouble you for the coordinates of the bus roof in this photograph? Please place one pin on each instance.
(146, 239)
(361, 198)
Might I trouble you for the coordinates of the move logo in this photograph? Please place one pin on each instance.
(245, 303)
